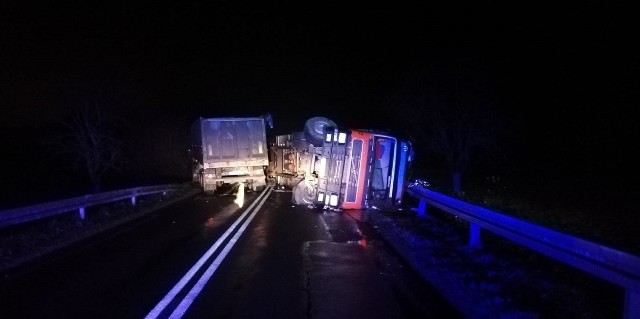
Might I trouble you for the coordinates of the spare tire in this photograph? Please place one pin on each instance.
(314, 129)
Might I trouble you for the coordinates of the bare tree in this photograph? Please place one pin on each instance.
(446, 111)
(159, 151)
(90, 138)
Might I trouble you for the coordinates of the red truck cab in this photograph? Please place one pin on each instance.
(360, 169)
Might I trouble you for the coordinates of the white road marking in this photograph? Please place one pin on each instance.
(168, 298)
(195, 291)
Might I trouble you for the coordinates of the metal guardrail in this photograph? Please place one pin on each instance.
(35, 212)
(615, 266)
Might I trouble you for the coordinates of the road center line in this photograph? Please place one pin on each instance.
(195, 291)
(155, 312)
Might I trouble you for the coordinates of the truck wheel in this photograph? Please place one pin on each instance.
(303, 193)
(314, 129)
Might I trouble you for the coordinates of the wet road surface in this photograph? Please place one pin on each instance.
(290, 262)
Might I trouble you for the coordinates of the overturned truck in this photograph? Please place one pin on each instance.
(336, 168)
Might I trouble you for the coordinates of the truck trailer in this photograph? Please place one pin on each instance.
(331, 167)
(229, 150)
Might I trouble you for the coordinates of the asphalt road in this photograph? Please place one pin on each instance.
(207, 257)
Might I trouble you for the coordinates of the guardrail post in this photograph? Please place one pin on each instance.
(81, 211)
(474, 236)
(133, 200)
(631, 304)
(422, 208)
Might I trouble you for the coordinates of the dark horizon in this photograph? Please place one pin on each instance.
(565, 77)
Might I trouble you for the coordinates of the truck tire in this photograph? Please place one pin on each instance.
(303, 193)
(314, 129)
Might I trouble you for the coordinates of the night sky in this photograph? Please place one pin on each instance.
(566, 75)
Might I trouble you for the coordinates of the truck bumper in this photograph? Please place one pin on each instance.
(251, 182)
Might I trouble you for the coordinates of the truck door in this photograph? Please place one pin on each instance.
(382, 167)
(357, 179)
(402, 166)
(383, 171)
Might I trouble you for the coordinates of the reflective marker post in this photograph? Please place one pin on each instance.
(422, 208)
(474, 236)
(631, 304)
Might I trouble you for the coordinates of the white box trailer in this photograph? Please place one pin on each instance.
(228, 150)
